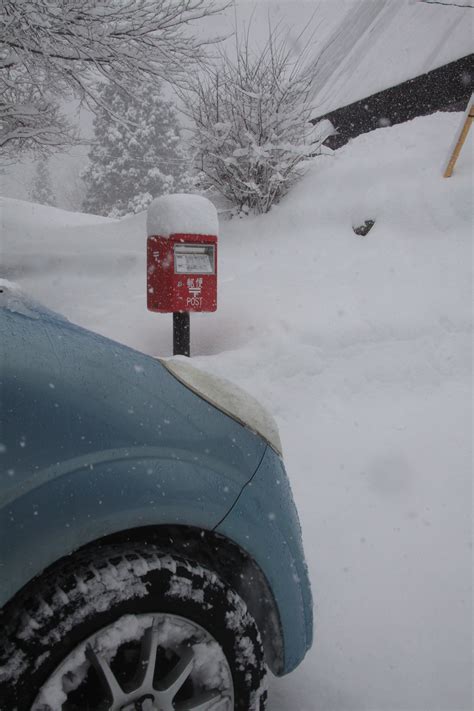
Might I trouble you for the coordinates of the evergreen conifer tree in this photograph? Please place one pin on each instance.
(41, 189)
(137, 158)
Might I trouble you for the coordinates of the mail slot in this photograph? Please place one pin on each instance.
(182, 273)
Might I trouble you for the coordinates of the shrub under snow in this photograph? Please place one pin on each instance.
(252, 127)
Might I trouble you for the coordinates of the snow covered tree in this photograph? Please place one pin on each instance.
(252, 123)
(137, 159)
(41, 189)
(59, 49)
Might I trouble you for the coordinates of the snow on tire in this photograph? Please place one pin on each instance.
(131, 628)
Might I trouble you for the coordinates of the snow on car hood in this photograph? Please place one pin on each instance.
(14, 299)
(228, 398)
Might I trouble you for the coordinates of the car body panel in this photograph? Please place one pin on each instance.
(87, 420)
(98, 439)
(264, 522)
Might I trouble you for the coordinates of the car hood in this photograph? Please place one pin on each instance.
(72, 398)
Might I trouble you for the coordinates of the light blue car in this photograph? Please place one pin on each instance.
(150, 549)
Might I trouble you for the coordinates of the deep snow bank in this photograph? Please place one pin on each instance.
(302, 262)
(361, 347)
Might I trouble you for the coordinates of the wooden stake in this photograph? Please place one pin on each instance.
(468, 118)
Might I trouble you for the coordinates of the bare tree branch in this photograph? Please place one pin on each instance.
(450, 4)
(56, 49)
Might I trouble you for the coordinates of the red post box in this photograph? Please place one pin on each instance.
(182, 273)
(181, 261)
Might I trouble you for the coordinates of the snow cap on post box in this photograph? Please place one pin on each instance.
(181, 214)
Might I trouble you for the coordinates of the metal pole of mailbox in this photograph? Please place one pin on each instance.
(181, 333)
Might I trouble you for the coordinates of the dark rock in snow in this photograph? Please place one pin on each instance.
(364, 229)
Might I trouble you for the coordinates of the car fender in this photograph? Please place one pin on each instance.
(111, 492)
(264, 522)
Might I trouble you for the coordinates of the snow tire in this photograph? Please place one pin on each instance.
(91, 591)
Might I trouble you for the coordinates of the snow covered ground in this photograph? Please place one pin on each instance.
(361, 347)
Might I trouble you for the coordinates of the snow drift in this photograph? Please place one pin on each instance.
(361, 347)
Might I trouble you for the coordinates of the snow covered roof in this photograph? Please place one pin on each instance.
(382, 43)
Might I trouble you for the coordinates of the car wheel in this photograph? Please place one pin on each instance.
(131, 628)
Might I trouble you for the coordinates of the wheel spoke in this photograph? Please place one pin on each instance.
(173, 681)
(148, 657)
(107, 677)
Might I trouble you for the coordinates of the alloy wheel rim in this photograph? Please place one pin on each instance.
(151, 662)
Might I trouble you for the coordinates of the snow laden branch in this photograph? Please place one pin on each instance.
(58, 49)
(252, 127)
